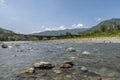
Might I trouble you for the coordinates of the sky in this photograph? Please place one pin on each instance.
(29, 16)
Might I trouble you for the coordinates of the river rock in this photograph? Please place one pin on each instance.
(28, 71)
(4, 46)
(31, 70)
(85, 53)
(67, 64)
(10, 46)
(43, 65)
(57, 71)
(71, 49)
(84, 69)
(95, 78)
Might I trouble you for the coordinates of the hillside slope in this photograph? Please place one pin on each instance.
(111, 23)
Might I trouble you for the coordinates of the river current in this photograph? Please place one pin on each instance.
(103, 58)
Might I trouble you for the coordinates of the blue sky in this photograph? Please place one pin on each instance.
(28, 16)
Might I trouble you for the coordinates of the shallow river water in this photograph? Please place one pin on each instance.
(103, 58)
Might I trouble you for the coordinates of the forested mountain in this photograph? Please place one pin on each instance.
(108, 24)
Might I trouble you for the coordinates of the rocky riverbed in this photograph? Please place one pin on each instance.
(60, 61)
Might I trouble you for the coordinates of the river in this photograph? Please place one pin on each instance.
(103, 58)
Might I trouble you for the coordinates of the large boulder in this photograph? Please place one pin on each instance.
(4, 46)
(67, 64)
(43, 65)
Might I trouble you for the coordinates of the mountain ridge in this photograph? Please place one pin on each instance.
(110, 25)
(61, 32)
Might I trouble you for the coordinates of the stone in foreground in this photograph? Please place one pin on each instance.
(67, 64)
(43, 65)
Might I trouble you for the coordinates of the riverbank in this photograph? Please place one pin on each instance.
(93, 40)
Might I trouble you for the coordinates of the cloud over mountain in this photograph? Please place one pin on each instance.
(62, 27)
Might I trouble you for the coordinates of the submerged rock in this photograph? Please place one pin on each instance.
(67, 64)
(17, 45)
(4, 46)
(57, 71)
(10, 46)
(71, 49)
(19, 50)
(72, 58)
(94, 78)
(28, 71)
(84, 69)
(43, 65)
(15, 55)
(85, 53)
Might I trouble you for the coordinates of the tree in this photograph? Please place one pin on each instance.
(68, 34)
(118, 27)
(103, 28)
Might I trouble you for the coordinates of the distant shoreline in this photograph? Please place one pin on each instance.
(93, 40)
(81, 40)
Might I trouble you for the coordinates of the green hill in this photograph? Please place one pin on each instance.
(7, 35)
(111, 23)
(4, 31)
(109, 27)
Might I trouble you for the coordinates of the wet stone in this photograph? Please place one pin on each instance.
(67, 64)
(71, 49)
(57, 71)
(84, 69)
(85, 53)
(28, 71)
(43, 65)
(94, 78)
(4, 46)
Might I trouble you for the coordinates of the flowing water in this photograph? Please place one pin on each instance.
(103, 58)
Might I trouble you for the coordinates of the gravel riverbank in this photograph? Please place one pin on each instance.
(93, 40)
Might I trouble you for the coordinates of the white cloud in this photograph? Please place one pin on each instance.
(55, 28)
(62, 27)
(77, 26)
(36, 31)
(48, 29)
(98, 19)
(2, 4)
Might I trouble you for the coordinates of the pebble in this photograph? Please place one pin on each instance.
(85, 53)
(71, 49)
(84, 69)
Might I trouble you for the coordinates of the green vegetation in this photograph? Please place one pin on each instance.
(7, 35)
(10, 38)
(104, 29)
